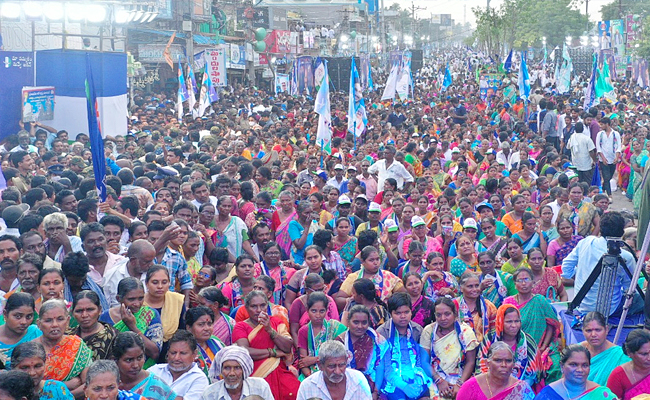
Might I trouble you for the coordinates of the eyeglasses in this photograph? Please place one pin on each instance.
(523, 280)
(204, 275)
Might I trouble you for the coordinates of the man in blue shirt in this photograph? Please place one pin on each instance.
(459, 112)
(396, 118)
(583, 259)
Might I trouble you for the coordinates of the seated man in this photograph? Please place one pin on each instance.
(334, 380)
(236, 366)
(181, 373)
(584, 258)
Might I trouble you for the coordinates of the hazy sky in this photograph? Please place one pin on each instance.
(457, 7)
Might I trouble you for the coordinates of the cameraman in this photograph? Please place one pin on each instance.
(583, 260)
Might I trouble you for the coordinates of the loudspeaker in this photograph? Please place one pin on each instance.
(416, 60)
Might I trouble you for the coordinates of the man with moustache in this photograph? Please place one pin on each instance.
(10, 248)
(334, 381)
(236, 366)
(139, 259)
(100, 261)
(33, 243)
(28, 267)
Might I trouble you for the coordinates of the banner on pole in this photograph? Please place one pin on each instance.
(38, 104)
(216, 62)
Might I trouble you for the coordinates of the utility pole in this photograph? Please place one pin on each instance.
(413, 21)
(586, 13)
(488, 4)
(464, 14)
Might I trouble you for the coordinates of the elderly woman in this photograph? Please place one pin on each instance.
(231, 371)
(132, 315)
(102, 383)
(68, 357)
(633, 377)
(30, 357)
(129, 356)
(575, 364)
(98, 336)
(18, 326)
(269, 343)
(473, 309)
(58, 243)
(497, 383)
(223, 325)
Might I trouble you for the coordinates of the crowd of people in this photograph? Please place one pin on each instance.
(233, 258)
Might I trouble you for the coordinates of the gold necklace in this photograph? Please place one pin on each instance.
(487, 380)
(633, 374)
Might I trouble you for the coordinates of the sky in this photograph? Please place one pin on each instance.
(456, 8)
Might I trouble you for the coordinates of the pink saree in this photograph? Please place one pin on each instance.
(471, 390)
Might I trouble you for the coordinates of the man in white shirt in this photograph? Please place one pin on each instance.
(505, 156)
(140, 257)
(338, 178)
(583, 153)
(608, 147)
(100, 261)
(181, 373)
(201, 194)
(236, 366)
(390, 168)
(334, 380)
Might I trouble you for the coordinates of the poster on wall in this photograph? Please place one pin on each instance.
(237, 57)
(488, 85)
(305, 75)
(38, 104)
(281, 83)
(216, 61)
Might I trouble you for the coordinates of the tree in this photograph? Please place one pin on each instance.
(619, 9)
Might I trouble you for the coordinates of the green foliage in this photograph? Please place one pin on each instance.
(644, 44)
(613, 10)
(522, 23)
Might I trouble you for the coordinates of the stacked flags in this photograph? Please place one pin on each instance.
(404, 80)
(191, 86)
(604, 84)
(563, 80)
(322, 106)
(524, 78)
(391, 84)
(182, 91)
(94, 133)
(590, 97)
(357, 118)
(207, 95)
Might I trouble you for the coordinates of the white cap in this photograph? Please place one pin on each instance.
(374, 207)
(468, 223)
(343, 199)
(339, 166)
(417, 221)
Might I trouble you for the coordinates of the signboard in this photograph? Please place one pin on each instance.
(278, 42)
(435, 19)
(216, 62)
(632, 29)
(445, 19)
(258, 15)
(488, 85)
(281, 83)
(38, 103)
(16, 72)
(237, 57)
(153, 53)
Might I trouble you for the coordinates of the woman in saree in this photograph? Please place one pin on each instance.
(129, 356)
(638, 162)
(575, 364)
(316, 332)
(436, 281)
(632, 378)
(605, 355)
(314, 265)
(497, 382)
(18, 327)
(492, 242)
(270, 345)
(266, 285)
(531, 235)
(169, 305)
(206, 277)
(30, 357)
(508, 331)
(98, 336)
(132, 315)
(298, 316)
(496, 285)
(466, 259)
(513, 219)
(386, 283)
(452, 347)
(68, 357)
(415, 255)
(245, 203)
(365, 345)
(282, 216)
(546, 281)
(343, 242)
(241, 284)
(539, 320)
(582, 214)
(232, 232)
(51, 285)
(412, 158)
(272, 266)
(422, 311)
(548, 228)
(473, 309)
(223, 325)
(365, 294)
(440, 177)
(301, 231)
(324, 216)
(559, 248)
(199, 322)
(517, 257)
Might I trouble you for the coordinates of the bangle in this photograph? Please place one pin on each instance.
(273, 334)
(270, 352)
(438, 380)
(275, 353)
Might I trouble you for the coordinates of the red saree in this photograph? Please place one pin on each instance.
(284, 384)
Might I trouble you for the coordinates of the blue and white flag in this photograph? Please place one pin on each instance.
(207, 94)
(191, 86)
(447, 80)
(293, 87)
(182, 90)
(590, 96)
(371, 85)
(391, 84)
(404, 79)
(524, 78)
(563, 81)
(94, 133)
(322, 105)
(507, 64)
(357, 118)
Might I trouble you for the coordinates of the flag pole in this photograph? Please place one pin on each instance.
(355, 137)
(322, 145)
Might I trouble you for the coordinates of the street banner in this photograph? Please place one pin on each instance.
(38, 104)
(216, 66)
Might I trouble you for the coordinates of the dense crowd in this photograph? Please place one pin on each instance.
(234, 258)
